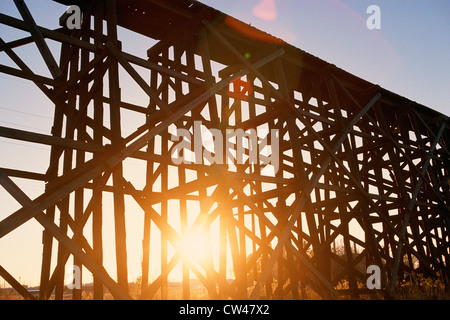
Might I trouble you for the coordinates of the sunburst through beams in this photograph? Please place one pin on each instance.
(194, 246)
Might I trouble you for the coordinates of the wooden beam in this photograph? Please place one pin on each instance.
(28, 136)
(49, 225)
(24, 174)
(314, 180)
(99, 133)
(15, 284)
(94, 167)
(409, 209)
(38, 39)
(16, 43)
(116, 141)
(26, 75)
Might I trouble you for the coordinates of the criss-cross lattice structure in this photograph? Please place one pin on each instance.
(351, 175)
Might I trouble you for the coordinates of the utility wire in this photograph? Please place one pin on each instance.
(27, 113)
(23, 145)
(23, 126)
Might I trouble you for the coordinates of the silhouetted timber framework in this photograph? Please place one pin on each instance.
(362, 179)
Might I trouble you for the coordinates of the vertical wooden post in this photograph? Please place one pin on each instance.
(52, 173)
(401, 185)
(148, 186)
(240, 168)
(178, 51)
(64, 206)
(225, 210)
(164, 187)
(119, 201)
(97, 213)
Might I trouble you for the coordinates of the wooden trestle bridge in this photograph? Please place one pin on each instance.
(362, 176)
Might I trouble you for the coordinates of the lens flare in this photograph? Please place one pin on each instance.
(266, 10)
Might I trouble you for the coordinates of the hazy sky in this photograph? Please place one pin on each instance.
(409, 55)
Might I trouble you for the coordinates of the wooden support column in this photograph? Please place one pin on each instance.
(97, 193)
(164, 183)
(235, 115)
(47, 239)
(61, 236)
(71, 58)
(117, 141)
(151, 176)
(178, 51)
(411, 205)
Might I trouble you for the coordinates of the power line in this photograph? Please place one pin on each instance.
(27, 113)
(23, 126)
(23, 145)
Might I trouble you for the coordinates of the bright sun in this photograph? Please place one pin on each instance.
(194, 246)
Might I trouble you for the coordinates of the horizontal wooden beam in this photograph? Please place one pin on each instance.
(93, 168)
(40, 138)
(47, 33)
(38, 39)
(15, 43)
(24, 174)
(26, 75)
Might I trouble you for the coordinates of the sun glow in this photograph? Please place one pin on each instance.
(194, 246)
